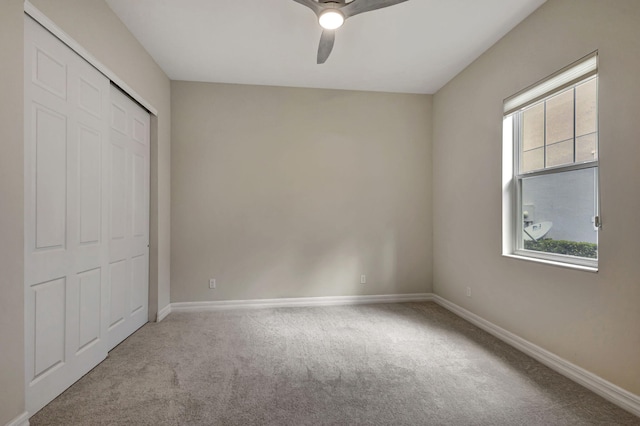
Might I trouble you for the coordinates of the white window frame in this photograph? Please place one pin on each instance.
(576, 73)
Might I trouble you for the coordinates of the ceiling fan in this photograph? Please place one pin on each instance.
(332, 14)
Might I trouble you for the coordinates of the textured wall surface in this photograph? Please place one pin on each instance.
(590, 319)
(281, 192)
(11, 211)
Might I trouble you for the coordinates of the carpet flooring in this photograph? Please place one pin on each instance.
(386, 364)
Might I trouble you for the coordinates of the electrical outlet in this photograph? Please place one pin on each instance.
(468, 291)
(212, 283)
(363, 279)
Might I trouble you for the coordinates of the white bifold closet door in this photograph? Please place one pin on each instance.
(86, 216)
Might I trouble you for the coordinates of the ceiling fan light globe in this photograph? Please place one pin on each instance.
(331, 19)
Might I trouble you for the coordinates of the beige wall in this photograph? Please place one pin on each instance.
(589, 319)
(11, 211)
(282, 192)
(94, 26)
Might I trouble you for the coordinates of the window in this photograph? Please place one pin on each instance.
(550, 176)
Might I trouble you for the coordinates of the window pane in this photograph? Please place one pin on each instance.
(560, 117)
(560, 153)
(586, 148)
(560, 211)
(532, 160)
(586, 111)
(533, 127)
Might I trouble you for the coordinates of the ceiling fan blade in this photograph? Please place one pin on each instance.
(311, 4)
(327, 39)
(360, 6)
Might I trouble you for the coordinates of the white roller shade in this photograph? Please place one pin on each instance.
(567, 76)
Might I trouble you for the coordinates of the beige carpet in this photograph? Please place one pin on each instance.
(391, 364)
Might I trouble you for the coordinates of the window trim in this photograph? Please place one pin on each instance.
(550, 262)
(572, 75)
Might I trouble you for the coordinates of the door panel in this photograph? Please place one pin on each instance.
(139, 185)
(89, 306)
(49, 325)
(64, 223)
(50, 68)
(118, 282)
(51, 177)
(89, 177)
(129, 211)
(139, 282)
(90, 98)
(118, 192)
(119, 115)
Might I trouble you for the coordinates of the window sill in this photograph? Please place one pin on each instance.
(553, 263)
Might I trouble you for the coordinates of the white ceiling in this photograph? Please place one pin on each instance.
(413, 47)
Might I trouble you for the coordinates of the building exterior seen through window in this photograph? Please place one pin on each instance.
(562, 129)
(555, 172)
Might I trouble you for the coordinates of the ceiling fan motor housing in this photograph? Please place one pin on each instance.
(332, 14)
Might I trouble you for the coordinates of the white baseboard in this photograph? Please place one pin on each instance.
(21, 420)
(298, 302)
(162, 313)
(598, 385)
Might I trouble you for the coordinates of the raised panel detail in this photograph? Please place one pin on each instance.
(119, 282)
(50, 73)
(89, 309)
(118, 119)
(139, 131)
(49, 325)
(118, 192)
(89, 185)
(89, 98)
(139, 196)
(51, 177)
(139, 282)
